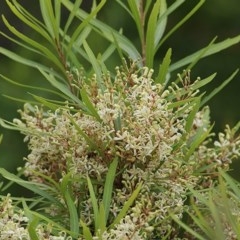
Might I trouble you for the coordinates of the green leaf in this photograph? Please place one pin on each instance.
(34, 187)
(49, 18)
(89, 106)
(31, 86)
(28, 19)
(102, 219)
(161, 23)
(86, 231)
(233, 184)
(32, 215)
(18, 58)
(190, 103)
(126, 206)
(50, 55)
(215, 48)
(32, 227)
(27, 14)
(119, 50)
(181, 103)
(94, 204)
(163, 69)
(73, 214)
(85, 22)
(107, 53)
(180, 23)
(72, 14)
(61, 87)
(106, 31)
(195, 86)
(135, 13)
(20, 100)
(187, 228)
(108, 187)
(95, 64)
(203, 82)
(31, 49)
(48, 179)
(201, 54)
(192, 115)
(51, 104)
(57, 11)
(124, 6)
(90, 141)
(197, 140)
(150, 35)
(219, 88)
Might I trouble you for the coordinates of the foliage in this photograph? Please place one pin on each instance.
(117, 154)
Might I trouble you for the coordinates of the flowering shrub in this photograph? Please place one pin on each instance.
(152, 136)
(126, 154)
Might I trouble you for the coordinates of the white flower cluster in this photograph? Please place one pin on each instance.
(126, 229)
(12, 222)
(146, 127)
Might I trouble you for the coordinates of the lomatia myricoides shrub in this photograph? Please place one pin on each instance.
(158, 138)
(129, 154)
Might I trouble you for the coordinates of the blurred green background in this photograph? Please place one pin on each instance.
(216, 18)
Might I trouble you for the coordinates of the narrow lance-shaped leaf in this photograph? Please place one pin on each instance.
(89, 106)
(215, 48)
(187, 228)
(198, 139)
(34, 187)
(49, 18)
(47, 53)
(43, 218)
(219, 88)
(27, 62)
(62, 88)
(180, 23)
(21, 44)
(73, 214)
(95, 64)
(107, 32)
(28, 19)
(86, 231)
(126, 206)
(27, 14)
(201, 54)
(33, 222)
(125, 7)
(102, 218)
(135, 13)
(71, 16)
(161, 23)
(108, 187)
(150, 35)
(30, 86)
(90, 141)
(51, 104)
(190, 118)
(163, 70)
(84, 23)
(233, 184)
(94, 204)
